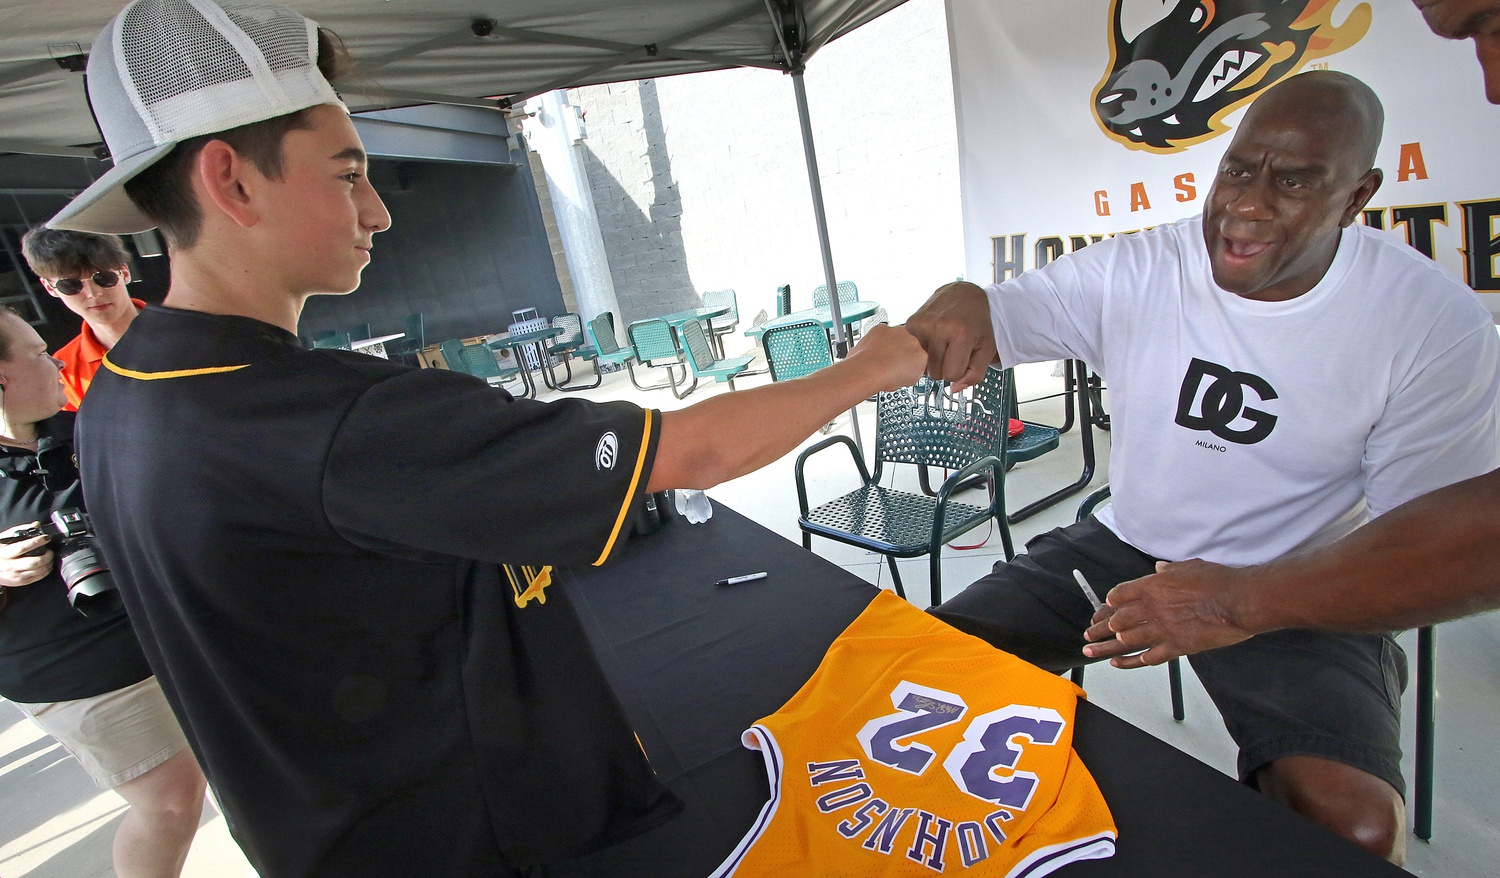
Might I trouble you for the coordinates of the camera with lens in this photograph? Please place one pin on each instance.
(91, 587)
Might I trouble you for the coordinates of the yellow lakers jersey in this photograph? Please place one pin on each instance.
(916, 749)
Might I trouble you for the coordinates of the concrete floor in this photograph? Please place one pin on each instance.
(54, 824)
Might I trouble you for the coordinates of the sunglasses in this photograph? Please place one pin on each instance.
(70, 286)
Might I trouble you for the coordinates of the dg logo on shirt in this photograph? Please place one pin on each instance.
(1223, 402)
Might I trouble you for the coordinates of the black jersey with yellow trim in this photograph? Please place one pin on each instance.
(322, 551)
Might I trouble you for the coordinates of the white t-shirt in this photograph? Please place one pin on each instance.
(1245, 429)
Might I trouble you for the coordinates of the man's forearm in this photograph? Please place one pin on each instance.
(1431, 559)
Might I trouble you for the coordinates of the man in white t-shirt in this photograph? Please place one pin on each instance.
(1432, 559)
(1278, 373)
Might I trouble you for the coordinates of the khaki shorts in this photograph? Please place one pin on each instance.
(117, 736)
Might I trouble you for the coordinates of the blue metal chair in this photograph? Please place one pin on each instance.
(701, 359)
(796, 349)
(570, 344)
(477, 360)
(967, 436)
(655, 346)
(848, 292)
(720, 326)
(783, 300)
(1034, 440)
(607, 351)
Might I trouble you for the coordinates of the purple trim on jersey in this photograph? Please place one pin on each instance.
(772, 755)
(1047, 860)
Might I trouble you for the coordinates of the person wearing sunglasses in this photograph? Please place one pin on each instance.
(88, 272)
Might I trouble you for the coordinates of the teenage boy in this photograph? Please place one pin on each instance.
(88, 273)
(338, 564)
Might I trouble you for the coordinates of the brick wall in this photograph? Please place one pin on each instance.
(700, 182)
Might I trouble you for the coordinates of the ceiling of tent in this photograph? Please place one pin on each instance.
(439, 51)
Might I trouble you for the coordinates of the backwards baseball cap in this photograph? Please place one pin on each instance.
(164, 71)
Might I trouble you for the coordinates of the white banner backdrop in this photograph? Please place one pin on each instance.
(1082, 118)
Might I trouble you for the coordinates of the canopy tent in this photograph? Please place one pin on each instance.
(488, 53)
(442, 51)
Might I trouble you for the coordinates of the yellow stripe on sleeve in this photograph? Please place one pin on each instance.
(179, 373)
(640, 464)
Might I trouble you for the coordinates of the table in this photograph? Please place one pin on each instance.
(695, 664)
(677, 318)
(536, 338)
(852, 312)
(375, 347)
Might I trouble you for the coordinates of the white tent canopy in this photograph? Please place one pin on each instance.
(490, 53)
(439, 51)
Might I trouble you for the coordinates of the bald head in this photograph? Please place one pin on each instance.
(1298, 171)
(1336, 104)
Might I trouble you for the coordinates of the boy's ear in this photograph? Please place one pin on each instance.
(222, 180)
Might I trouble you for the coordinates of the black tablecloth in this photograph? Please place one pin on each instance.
(696, 664)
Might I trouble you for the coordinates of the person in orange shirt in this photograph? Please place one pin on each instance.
(88, 272)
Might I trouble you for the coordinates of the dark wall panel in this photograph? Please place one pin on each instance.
(466, 247)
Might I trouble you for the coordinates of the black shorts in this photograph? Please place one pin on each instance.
(1287, 693)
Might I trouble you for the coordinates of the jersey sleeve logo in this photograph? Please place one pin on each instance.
(607, 452)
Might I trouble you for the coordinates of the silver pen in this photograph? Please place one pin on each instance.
(1088, 590)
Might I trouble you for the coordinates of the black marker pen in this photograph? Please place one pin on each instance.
(736, 580)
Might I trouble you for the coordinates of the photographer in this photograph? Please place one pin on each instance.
(82, 678)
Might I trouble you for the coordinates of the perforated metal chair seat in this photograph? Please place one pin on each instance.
(890, 522)
(1034, 441)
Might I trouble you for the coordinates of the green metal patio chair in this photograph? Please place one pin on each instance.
(701, 359)
(917, 426)
(655, 346)
(848, 292)
(1034, 440)
(607, 351)
(477, 360)
(796, 349)
(572, 343)
(723, 325)
(783, 300)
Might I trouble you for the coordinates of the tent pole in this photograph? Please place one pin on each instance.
(840, 345)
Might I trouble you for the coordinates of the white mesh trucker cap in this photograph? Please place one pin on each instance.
(164, 71)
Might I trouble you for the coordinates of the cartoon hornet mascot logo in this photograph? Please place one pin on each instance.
(1177, 67)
